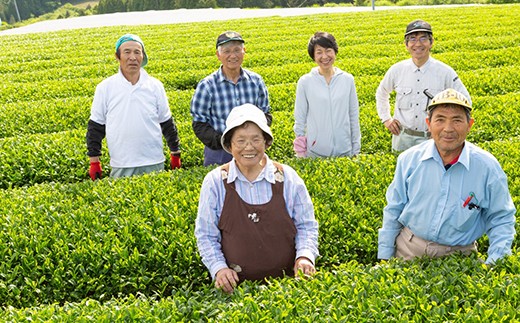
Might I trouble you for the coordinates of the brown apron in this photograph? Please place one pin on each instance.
(258, 241)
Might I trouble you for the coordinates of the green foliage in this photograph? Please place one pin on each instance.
(99, 239)
(58, 77)
(459, 289)
(33, 11)
(124, 250)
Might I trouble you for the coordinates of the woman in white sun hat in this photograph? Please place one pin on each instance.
(255, 218)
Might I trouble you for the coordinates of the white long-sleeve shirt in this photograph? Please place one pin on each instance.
(328, 114)
(409, 83)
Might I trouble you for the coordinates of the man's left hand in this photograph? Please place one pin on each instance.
(305, 266)
(175, 160)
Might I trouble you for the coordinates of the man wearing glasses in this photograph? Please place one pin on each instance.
(217, 94)
(415, 80)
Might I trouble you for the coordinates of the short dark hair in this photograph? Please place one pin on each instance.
(324, 39)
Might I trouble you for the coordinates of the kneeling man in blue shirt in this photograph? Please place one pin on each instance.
(447, 192)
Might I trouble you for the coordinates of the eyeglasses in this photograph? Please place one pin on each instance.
(227, 52)
(422, 39)
(242, 143)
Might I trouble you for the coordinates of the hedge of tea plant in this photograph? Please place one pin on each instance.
(124, 249)
(66, 242)
(454, 289)
(52, 77)
(110, 238)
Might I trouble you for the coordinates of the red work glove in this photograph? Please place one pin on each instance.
(175, 160)
(95, 170)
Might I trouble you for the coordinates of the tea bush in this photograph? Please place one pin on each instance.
(112, 250)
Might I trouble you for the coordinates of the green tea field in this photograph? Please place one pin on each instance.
(74, 250)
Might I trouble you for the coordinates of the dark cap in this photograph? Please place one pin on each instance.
(229, 36)
(418, 25)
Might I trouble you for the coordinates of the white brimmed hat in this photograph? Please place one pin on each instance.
(241, 114)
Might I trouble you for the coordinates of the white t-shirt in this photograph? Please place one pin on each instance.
(132, 115)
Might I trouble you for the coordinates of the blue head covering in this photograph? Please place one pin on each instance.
(130, 37)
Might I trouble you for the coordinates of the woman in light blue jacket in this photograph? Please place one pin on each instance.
(326, 110)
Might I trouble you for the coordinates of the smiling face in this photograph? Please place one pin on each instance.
(324, 57)
(231, 55)
(248, 147)
(449, 126)
(130, 58)
(419, 45)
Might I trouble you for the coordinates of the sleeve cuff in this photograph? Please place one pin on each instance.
(386, 243)
(307, 254)
(215, 268)
(385, 252)
(493, 257)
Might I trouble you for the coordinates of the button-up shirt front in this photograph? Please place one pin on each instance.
(409, 83)
(216, 96)
(430, 200)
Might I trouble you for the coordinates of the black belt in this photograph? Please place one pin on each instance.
(425, 134)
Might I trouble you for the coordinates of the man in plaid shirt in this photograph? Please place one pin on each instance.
(218, 93)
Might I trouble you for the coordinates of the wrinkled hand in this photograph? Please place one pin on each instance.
(175, 160)
(95, 170)
(393, 125)
(303, 266)
(300, 146)
(226, 279)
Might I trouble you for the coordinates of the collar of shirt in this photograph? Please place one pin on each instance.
(431, 151)
(143, 76)
(315, 71)
(423, 69)
(222, 78)
(267, 172)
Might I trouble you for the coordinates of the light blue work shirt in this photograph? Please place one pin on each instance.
(430, 200)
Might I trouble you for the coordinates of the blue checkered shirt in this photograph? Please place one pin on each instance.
(216, 96)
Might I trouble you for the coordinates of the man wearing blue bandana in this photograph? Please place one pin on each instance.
(131, 109)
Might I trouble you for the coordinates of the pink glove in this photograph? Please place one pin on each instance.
(300, 146)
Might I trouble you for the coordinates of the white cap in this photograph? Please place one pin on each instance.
(450, 96)
(243, 113)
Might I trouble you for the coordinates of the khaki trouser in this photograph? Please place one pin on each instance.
(126, 172)
(404, 141)
(409, 246)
